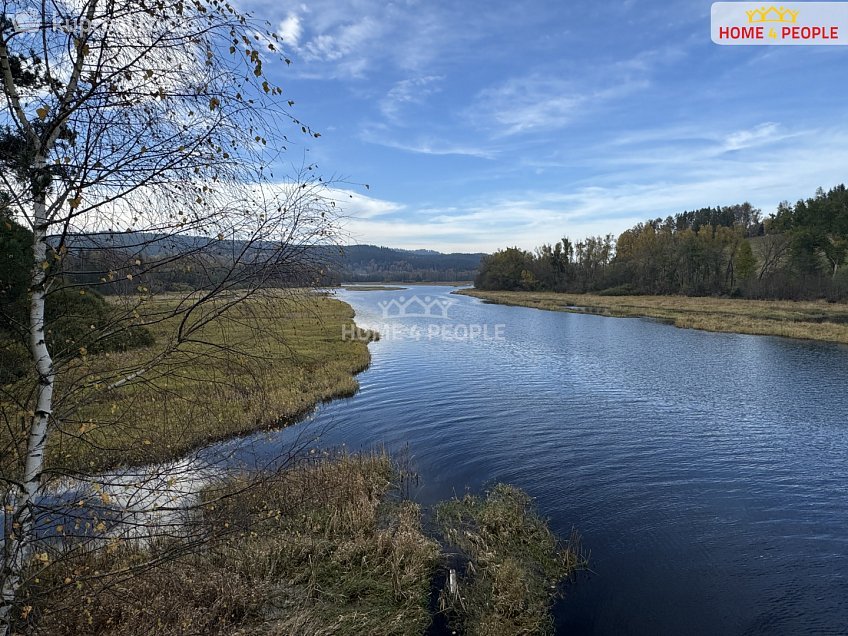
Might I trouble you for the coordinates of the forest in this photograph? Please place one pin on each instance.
(797, 252)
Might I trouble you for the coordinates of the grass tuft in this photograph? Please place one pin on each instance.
(513, 564)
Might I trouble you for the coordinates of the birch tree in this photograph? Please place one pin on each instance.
(150, 128)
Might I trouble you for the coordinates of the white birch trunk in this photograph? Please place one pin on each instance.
(19, 543)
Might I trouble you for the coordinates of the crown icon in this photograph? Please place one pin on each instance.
(416, 307)
(772, 14)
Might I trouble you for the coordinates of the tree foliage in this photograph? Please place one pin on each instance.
(158, 123)
(797, 252)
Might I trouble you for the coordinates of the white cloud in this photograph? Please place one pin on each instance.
(354, 205)
(355, 39)
(633, 184)
(346, 46)
(764, 133)
(290, 30)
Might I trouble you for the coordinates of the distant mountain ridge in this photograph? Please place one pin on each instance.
(350, 263)
(371, 263)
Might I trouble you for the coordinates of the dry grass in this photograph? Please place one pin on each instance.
(327, 547)
(262, 365)
(322, 548)
(806, 320)
(513, 564)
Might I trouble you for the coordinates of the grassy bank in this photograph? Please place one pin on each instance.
(807, 320)
(321, 548)
(264, 364)
(326, 547)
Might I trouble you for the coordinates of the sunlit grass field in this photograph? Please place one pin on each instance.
(264, 363)
(807, 320)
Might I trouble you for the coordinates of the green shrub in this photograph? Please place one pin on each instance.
(14, 357)
(81, 318)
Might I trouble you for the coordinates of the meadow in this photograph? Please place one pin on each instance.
(811, 320)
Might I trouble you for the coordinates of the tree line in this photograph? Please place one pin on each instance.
(797, 252)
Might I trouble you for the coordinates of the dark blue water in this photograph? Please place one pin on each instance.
(707, 473)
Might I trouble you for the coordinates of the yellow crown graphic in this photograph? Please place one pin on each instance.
(772, 14)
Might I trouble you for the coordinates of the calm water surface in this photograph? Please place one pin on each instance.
(707, 473)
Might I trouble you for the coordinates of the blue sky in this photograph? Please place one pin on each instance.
(479, 125)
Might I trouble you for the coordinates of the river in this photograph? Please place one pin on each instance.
(706, 472)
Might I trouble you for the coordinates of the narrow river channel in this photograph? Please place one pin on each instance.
(707, 473)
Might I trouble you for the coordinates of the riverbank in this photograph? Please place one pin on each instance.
(327, 546)
(827, 322)
(319, 548)
(264, 364)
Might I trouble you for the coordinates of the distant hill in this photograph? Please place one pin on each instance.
(370, 263)
(352, 263)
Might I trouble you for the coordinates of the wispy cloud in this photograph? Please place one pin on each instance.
(767, 132)
(383, 136)
(354, 205)
(355, 39)
(554, 97)
(408, 91)
(543, 103)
